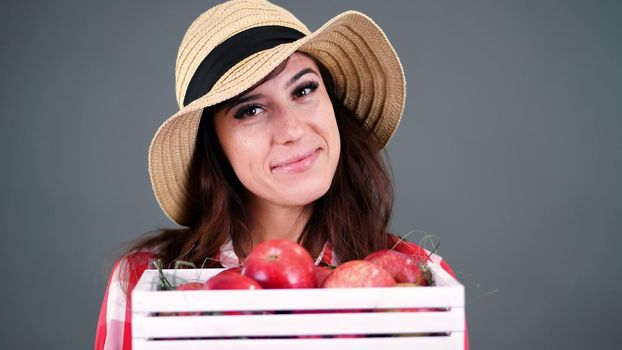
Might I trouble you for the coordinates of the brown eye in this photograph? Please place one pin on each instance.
(247, 112)
(305, 89)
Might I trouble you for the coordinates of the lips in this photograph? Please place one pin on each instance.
(297, 163)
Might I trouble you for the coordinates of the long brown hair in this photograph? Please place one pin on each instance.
(353, 215)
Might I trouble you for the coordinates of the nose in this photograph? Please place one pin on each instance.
(287, 126)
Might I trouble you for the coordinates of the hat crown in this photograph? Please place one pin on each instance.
(218, 24)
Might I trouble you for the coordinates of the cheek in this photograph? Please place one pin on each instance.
(336, 145)
(334, 130)
(245, 153)
(327, 126)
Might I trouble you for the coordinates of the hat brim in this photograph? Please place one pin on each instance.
(368, 78)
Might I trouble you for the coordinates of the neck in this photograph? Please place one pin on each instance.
(269, 221)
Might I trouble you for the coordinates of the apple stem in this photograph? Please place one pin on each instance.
(425, 271)
(403, 238)
(179, 263)
(427, 237)
(434, 249)
(164, 283)
(212, 259)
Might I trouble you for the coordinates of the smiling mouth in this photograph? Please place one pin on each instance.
(297, 165)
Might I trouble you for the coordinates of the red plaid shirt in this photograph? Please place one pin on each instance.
(114, 328)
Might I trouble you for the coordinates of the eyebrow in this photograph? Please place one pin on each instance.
(241, 99)
(300, 74)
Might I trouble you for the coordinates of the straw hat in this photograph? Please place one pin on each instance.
(232, 46)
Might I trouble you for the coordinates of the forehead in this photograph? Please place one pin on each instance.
(299, 58)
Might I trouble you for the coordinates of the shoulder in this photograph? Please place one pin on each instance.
(114, 324)
(131, 266)
(125, 275)
(123, 278)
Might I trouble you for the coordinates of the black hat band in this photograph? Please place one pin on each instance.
(233, 50)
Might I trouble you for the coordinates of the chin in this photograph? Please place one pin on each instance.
(304, 194)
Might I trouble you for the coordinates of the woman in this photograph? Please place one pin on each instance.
(277, 137)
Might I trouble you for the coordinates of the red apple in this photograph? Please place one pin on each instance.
(358, 273)
(231, 280)
(403, 268)
(190, 286)
(280, 264)
(321, 272)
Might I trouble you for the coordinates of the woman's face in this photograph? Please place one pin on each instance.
(281, 138)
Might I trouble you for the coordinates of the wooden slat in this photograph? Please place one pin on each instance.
(452, 342)
(299, 324)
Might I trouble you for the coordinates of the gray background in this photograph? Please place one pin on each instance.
(509, 151)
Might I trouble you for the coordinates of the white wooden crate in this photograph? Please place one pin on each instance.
(374, 314)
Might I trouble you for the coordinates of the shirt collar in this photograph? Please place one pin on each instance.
(228, 258)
